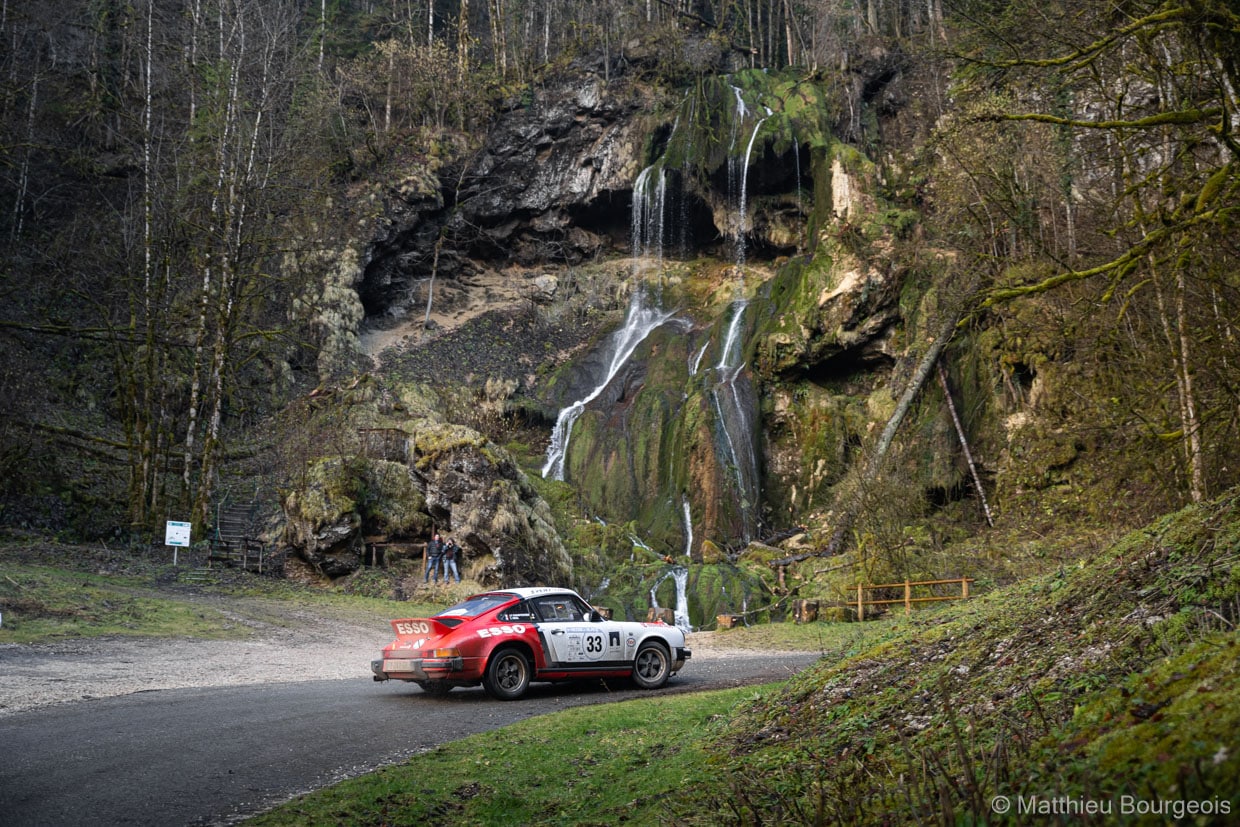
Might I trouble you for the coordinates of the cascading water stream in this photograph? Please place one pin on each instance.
(735, 420)
(680, 576)
(684, 505)
(743, 203)
(647, 213)
(697, 360)
(640, 320)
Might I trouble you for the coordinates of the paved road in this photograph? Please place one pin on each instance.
(214, 756)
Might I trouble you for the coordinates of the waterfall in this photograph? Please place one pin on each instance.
(646, 216)
(640, 320)
(735, 172)
(680, 576)
(729, 357)
(735, 420)
(742, 206)
(684, 503)
(697, 360)
(742, 112)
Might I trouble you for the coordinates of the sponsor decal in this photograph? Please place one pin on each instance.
(499, 631)
(413, 627)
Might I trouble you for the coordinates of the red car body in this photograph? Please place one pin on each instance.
(509, 638)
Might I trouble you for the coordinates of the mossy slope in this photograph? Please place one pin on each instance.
(1119, 677)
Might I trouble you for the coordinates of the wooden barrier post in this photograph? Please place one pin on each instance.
(908, 600)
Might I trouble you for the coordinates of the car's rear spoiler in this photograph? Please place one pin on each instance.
(424, 628)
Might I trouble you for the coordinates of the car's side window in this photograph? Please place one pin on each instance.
(551, 609)
(584, 610)
(520, 613)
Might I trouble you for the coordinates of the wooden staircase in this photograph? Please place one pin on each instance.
(234, 538)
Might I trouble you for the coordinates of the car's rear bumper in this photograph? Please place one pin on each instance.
(417, 669)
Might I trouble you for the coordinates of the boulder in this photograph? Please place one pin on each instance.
(475, 491)
(454, 481)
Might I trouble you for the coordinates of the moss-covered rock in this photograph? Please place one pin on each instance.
(322, 519)
(477, 493)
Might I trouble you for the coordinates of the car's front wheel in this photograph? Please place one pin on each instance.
(652, 666)
(435, 687)
(507, 675)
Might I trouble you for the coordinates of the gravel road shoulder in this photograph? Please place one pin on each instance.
(304, 645)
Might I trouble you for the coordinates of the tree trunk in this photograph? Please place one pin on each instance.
(849, 514)
(964, 445)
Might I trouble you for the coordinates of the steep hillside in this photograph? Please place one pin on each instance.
(1114, 681)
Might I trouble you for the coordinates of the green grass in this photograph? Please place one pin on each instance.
(1119, 675)
(56, 592)
(605, 764)
(837, 639)
(42, 603)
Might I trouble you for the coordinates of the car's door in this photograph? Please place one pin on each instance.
(572, 636)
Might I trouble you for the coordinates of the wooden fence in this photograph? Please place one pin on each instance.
(908, 600)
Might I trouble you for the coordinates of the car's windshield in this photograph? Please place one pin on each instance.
(474, 606)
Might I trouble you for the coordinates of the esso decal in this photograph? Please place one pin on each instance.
(412, 628)
(497, 631)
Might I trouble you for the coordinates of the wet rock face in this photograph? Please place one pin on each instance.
(550, 184)
(454, 481)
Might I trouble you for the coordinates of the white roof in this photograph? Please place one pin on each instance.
(535, 591)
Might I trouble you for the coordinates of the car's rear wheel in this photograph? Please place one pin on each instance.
(435, 687)
(652, 666)
(507, 675)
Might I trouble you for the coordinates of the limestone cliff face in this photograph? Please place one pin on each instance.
(449, 479)
(549, 184)
(773, 257)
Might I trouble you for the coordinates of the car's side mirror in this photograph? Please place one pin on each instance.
(595, 617)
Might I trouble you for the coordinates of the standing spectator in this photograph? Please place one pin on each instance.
(434, 553)
(451, 551)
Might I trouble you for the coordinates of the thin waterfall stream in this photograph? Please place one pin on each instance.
(639, 321)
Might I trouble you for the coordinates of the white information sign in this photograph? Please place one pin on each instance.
(177, 534)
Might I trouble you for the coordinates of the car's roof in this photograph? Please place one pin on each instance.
(533, 591)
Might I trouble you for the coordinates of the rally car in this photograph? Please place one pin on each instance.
(506, 639)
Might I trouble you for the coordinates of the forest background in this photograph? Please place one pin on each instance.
(183, 184)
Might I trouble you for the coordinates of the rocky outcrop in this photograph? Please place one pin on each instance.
(476, 492)
(551, 183)
(454, 481)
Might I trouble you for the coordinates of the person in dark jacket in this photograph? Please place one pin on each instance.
(434, 553)
(451, 553)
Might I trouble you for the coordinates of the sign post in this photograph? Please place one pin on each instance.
(177, 535)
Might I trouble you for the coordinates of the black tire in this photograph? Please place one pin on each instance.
(436, 688)
(507, 675)
(652, 665)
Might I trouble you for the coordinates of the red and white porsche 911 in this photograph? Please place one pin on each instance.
(506, 639)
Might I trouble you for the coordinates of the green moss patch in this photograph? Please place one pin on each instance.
(1115, 677)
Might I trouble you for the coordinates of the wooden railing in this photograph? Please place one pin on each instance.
(908, 600)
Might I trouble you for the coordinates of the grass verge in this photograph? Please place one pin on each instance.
(605, 764)
(1113, 685)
